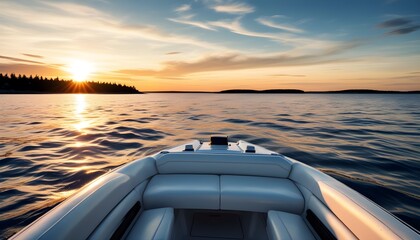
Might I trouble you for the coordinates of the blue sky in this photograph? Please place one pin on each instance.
(217, 44)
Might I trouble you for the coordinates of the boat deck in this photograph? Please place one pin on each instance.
(204, 225)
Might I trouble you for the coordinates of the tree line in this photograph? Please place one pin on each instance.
(37, 84)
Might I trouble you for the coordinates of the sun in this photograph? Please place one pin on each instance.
(80, 70)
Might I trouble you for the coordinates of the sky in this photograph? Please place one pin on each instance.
(212, 45)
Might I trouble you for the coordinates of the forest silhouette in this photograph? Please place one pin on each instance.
(23, 84)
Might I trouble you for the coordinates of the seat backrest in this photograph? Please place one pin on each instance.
(228, 164)
(226, 192)
(184, 191)
(259, 194)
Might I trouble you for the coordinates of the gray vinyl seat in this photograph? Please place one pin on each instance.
(225, 192)
(287, 226)
(153, 224)
(182, 191)
(259, 194)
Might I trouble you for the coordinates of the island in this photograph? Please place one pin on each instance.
(348, 91)
(262, 91)
(15, 84)
(293, 91)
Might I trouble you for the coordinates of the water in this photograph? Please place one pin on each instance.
(52, 145)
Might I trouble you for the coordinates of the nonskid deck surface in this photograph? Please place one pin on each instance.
(205, 225)
(216, 225)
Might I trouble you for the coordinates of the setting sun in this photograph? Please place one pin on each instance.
(80, 70)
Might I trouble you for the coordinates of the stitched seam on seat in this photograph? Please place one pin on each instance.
(161, 220)
(220, 192)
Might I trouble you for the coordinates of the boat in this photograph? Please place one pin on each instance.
(217, 190)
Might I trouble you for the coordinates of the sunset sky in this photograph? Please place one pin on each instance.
(213, 45)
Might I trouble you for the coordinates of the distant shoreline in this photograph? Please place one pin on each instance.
(21, 84)
(293, 91)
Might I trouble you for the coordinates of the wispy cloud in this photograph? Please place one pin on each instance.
(287, 75)
(236, 27)
(187, 21)
(269, 23)
(69, 19)
(183, 8)
(232, 7)
(172, 53)
(32, 55)
(400, 26)
(29, 69)
(19, 60)
(396, 22)
(404, 30)
(240, 62)
(289, 39)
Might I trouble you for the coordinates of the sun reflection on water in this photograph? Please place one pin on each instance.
(80, 100)
(80, 107)
(78, 144)
(80, 126)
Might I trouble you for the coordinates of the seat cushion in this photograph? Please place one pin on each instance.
(185, 191)
(228, 164)
(287, 226)
(260, 194)
(153, 224)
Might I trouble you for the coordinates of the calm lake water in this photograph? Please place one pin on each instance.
(52, 145)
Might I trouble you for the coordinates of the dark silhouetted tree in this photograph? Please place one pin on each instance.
(37, 84)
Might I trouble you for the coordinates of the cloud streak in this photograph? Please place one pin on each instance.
(396, 22)
(183, 8)
(32, 55)
(289, 39)
(19, 60)
(198, 24)
(241, 62)
(404, 30)
(287, 75)
(400, 26)
(29, 69)
(232, 8)
(70, 19)
(284, 27)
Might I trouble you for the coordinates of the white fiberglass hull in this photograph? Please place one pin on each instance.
(217, 191)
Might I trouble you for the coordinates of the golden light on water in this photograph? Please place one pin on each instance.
(80, 107)
(81, 125)
(80, 70)
(80, 101)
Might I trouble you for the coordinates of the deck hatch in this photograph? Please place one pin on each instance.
(216, 225)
